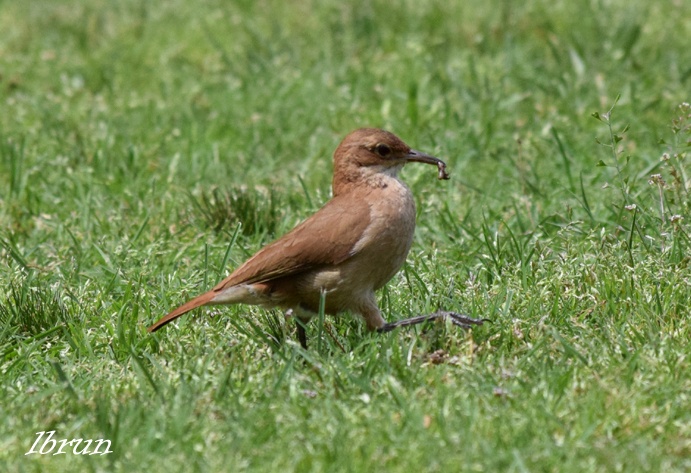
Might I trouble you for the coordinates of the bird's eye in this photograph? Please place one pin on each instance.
(382, 150)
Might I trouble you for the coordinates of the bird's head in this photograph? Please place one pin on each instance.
(367, 154)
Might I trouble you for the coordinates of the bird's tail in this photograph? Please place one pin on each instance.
(183, 309)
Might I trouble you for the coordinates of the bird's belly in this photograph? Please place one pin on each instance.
(385, 244)
(376, 258)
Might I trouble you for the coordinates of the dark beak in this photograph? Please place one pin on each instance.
(418, 157)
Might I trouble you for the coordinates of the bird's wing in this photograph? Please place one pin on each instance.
(328, 237)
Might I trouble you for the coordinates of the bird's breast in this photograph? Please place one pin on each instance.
(377, 255)
(382, 249)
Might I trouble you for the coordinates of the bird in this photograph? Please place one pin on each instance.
(346, 251)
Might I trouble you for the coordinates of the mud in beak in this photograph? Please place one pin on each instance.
(418, 157)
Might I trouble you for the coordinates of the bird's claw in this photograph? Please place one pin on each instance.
(458, 320)
(463, 321)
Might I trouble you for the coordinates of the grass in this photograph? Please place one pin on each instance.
(147, 148)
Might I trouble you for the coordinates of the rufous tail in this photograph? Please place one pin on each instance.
(183, 309)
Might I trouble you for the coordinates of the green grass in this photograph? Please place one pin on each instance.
(147, 148)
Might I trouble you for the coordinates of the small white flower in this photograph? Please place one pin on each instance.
(656, 179)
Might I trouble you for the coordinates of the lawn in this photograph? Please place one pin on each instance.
(148, 148)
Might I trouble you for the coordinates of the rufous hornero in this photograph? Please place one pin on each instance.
(346, 251)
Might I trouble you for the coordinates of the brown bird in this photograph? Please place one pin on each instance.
(347, 250)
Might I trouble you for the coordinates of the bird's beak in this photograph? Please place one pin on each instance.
(418, 157)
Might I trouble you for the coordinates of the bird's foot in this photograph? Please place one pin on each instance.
(459, 320)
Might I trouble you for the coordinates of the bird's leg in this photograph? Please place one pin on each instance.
(300, 325)
(459, 320)
(302, 336)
